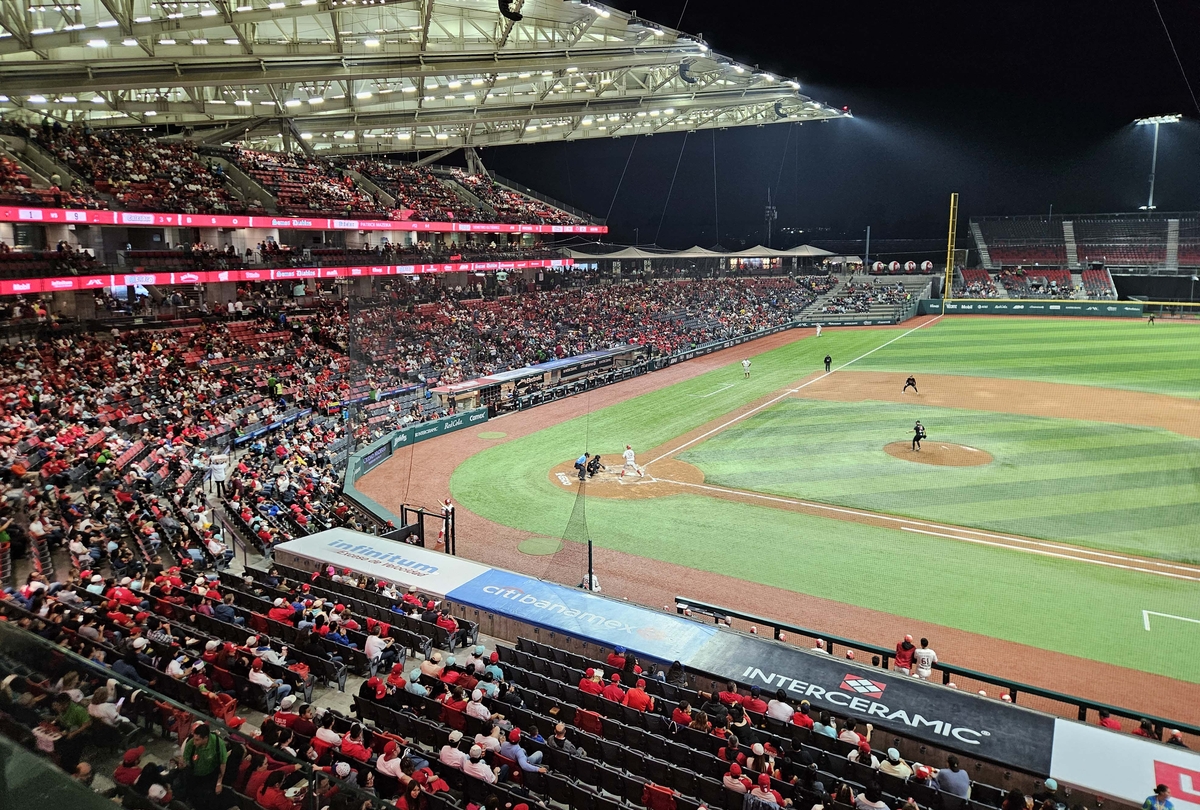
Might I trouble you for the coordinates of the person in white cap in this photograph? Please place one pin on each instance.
(450, 753)
(476, 708)
(895, 766)
(1175, 739)
(630, 463)
(820, 647)
(96, 584)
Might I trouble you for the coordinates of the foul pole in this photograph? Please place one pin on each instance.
(949, 286)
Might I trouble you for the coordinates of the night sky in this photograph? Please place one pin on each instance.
(1017, 105)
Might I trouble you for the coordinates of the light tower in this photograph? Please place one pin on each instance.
(1157, 121)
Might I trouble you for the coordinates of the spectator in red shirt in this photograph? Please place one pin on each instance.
(801, 718)
(447, 623)
(682, 714)
(636, 698)
(590, 683)
(613, 690)
(616, 659)
(904, 655)
(271, 795)
(352, 744)
(1108, 721)
(755, 703)
(281, 611)
(1146, 729)
(128, 772)
(729, 695)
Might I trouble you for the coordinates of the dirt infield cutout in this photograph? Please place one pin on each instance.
(610, 483)
(939, 454)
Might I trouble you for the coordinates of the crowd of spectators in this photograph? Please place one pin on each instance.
(512, 206)
(143, 174)
(976, 283)
(1038, 283)
(304, 186)
(456, 337)
(17, 188)
(859, 297)
(418, 192)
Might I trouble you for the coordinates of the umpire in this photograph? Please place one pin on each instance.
(828, 362)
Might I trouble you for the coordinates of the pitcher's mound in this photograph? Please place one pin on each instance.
(940, 453)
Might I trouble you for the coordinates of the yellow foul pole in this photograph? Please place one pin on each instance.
(949, 288)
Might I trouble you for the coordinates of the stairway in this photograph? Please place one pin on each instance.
(1069, 240)
(981, 246)
(1172, 245)
(39, 556)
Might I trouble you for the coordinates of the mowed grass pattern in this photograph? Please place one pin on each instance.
(1129, 354)
(1062, 605)
(1131, 489)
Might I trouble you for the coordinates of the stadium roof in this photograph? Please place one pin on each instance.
(387, 75)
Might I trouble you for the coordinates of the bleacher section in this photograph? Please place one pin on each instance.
(1020, 241)
(1123, 241)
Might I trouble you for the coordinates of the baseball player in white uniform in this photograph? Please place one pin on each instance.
(630, 464)
(923, 660)
(746, 368)
(818, 330)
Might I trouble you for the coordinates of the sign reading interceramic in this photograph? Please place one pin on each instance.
(959, 721)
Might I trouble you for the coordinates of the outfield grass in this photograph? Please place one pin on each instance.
(1131, 489)
(1060, 605)
(1129, 354)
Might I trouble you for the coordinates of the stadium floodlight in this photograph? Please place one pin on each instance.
(1156, 121)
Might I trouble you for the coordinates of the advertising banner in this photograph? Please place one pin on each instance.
(1122, 766)
(947, 718)
(583, 615)
(61, 216)
(25, 286)
(438, 427)
(1093, 309)
(387, 560)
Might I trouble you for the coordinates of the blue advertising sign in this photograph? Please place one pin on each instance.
(579, 614)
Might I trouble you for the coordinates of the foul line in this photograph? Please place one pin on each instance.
(714, 392)
(790, 391)
(1146, 614)
(1081, 555)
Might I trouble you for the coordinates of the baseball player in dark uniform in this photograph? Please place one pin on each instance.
(828, 362)
(918, 434)
(911, 382)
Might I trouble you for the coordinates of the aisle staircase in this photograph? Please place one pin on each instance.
(981, 246)
(1172, 245)
(1069, 240)
(39, 557)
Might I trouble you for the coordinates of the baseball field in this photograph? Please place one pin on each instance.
(1054, 506)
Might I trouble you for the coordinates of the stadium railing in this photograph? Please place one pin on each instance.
(949, 672)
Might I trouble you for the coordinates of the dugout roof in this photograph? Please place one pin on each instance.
(375, 75)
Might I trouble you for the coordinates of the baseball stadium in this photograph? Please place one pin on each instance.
(340, 471)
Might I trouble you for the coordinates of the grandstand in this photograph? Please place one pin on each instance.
(1157, 243)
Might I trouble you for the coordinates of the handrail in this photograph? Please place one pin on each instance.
(1014, 688)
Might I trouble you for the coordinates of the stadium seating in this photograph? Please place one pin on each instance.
(975, 283)
(1122, 242)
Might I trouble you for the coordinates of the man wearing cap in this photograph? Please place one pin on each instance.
(476, 767)
(389, 761)
(281, 611)
(636, 698)
(269, 684)
(450, 754)
(475, 708)
(96, 585)
(129, 771)
(862, 754)
(904, 655)
(1176, 739)
(755, 703)
(763, 792)
(590, 683)
(1048, 793)
(511, 749)
(286, 715)
(477, 660)
(414, 686)
(432, 666)
(895, 766)
(457, 636)
(952, 779)
(616, 659)
(736, 781)
(612, 690)
(801, 717)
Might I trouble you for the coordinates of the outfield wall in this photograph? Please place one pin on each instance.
(1003, 306)
(368, 458)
